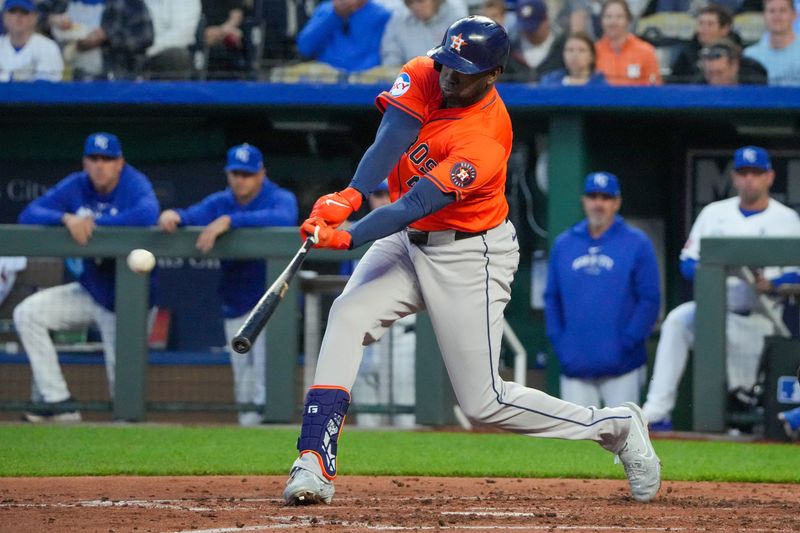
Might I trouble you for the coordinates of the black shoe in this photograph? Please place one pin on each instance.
(63, 411)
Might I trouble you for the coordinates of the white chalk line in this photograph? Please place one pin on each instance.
(297, 522)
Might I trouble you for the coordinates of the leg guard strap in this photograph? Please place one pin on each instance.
(323, 419)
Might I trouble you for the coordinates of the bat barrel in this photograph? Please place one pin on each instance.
(243, 340)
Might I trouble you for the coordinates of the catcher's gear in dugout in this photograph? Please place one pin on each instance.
(472, 45)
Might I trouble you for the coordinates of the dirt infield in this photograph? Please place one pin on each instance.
(236, 503)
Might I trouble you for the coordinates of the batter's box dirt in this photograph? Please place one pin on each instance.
(252, 503)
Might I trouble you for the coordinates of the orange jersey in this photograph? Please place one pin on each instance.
(463, 151)
(635, 64)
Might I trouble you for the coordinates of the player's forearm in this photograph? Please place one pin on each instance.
(647, 293)
(34, 214)
(643, 318)
(423, 200)
(783, 279)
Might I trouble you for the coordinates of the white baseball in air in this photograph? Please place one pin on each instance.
(141, 261)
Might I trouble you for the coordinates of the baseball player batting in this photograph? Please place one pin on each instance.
(443, 245)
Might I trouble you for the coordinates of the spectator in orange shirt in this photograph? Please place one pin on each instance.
(621, 56)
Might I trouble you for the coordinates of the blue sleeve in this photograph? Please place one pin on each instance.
(318, 32)
(50, 208)
(688, 268)
(203, 212)
(281, 212)
(647, 295)
(553, 308)
(788, 277)
(142, 211)
(422, 200)
(395, 134)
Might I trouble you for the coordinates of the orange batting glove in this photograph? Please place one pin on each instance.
(326, 236)
(334, 208)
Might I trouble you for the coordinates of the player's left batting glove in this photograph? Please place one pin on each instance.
(334, 208)
(327, 237)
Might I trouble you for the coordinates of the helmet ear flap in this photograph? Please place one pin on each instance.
(437, 66)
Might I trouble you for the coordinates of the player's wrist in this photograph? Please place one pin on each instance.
(353, 197)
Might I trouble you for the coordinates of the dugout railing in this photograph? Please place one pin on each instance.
(275, 245)
(721, 255)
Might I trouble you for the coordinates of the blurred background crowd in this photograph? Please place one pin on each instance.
(554, 42)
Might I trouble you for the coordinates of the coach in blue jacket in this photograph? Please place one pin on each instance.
(107, 192)
(602, 300)
(250, 201)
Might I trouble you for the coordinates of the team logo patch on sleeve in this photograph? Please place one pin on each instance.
(401, 85)
(462, 174)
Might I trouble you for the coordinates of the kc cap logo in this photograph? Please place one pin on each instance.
(102, 144)
(245, 158)
(242, 154)
(752, 157)
(101, 141)
(602, 183)
(462, 174)
(457, 43)
(401, 85)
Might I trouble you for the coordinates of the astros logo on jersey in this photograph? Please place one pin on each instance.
(462, 174)
(457, 43)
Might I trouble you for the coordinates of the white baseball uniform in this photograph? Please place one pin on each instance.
(745, 329)
(249, 372)
(9, 266)
(62, 307)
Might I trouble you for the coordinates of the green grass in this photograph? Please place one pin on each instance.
(173, 450)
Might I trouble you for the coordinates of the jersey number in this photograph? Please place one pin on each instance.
(419, 156)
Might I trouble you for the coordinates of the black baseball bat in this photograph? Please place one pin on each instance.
(263, 310)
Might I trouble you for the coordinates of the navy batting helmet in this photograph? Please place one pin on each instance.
(471, 45)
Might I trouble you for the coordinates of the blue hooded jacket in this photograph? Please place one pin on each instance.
(602, 300)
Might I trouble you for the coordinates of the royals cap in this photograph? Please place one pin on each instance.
(245, 158)
(102, 143)
(602, 183)
(752, 157)
(27, 5)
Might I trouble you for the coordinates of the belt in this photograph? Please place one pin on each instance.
(432, 238)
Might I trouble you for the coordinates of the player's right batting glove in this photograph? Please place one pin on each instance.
(334, 208)
(327, 237)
